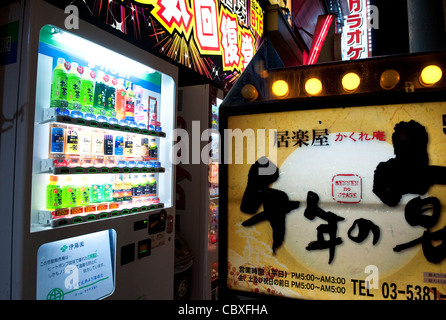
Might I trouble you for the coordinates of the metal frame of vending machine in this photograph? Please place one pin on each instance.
(337, 191)
(123, 249)
(197, 185)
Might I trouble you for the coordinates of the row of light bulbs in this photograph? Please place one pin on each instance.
(351, 81)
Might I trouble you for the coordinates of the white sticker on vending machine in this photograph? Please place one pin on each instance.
(79, 268)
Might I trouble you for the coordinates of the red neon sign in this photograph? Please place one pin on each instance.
(214, 26)
(206, 26)
(173, 15)
(322, 27)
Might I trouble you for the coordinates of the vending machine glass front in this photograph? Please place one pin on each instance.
(102, 134)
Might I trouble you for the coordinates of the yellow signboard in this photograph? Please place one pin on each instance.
(355, 211)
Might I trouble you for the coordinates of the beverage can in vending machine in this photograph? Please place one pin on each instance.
(128, 146)
(72, 141)
(153, 149)
(152, 185)
(108, 145)
(57, 142)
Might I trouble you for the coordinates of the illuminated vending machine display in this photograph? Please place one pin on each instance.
(100, 206)
(332, 183)
(98, 134)
(214, 162)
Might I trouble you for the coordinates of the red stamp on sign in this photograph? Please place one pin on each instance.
(347, 188)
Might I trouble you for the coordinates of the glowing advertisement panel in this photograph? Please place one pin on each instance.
(79, 268)
(356, 35)
(213, 38)
(355, 209)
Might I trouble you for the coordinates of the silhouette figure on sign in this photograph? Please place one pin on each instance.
(409, 171)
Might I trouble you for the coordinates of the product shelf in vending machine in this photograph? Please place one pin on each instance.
(86, 134)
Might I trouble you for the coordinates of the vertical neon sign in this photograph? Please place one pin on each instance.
(322, 28)
(356, 33)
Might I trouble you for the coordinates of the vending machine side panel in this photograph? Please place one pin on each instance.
(193, 202)
(197, 190)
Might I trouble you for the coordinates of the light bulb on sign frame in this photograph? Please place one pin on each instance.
(280, 88)
(430, 75)
(351, 82)
(313, 86)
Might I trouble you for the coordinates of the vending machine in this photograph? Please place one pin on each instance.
(92, 172)
(197, 185)
(332, 183)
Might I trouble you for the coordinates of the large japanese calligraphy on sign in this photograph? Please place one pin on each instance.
(355, 210)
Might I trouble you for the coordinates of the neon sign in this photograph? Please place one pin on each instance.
(214, 38)
(256, 17)
(356, 33)
(322, 28)
(206, 26)
(225, 28)
(173, 15)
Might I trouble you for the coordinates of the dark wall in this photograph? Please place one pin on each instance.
(392, 36)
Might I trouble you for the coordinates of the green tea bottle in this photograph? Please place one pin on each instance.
(69, 194)
(53, 194)
(74, 87)
(59, 86)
